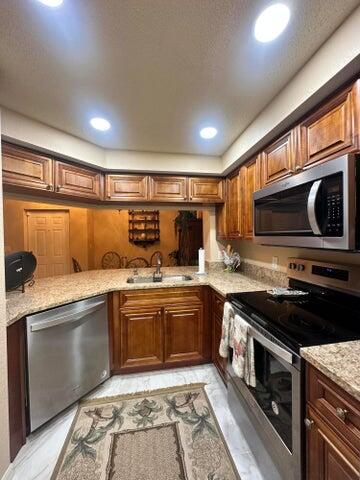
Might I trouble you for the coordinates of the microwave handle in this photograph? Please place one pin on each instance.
(311, 207)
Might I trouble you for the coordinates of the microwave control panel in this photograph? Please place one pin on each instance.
(334, 217)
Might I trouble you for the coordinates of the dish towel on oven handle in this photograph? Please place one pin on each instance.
(227, 330)
(243, 351)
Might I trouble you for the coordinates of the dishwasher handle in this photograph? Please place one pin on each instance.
(66, 319)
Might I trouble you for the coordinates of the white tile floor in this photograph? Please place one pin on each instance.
(37, 458)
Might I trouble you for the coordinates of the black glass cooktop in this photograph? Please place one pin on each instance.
(323, 316)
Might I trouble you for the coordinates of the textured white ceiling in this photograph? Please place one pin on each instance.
(157, 69)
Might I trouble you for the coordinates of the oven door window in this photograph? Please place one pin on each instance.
(273, 392)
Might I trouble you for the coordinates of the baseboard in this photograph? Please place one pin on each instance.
(9, 474)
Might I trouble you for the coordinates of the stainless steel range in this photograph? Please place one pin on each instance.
(271, 413)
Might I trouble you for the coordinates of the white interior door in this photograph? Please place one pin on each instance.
(47, 236)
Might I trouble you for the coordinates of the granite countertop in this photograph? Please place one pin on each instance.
(338, 361)
(51, 292)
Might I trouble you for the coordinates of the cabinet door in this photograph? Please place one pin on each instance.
(234, 207)
(279, 158)
(23, 168)
(77, 181)
(328, 458)
(168, 189)
(206, 190)
(127, 188)
(251, 183)
(141, 338)
(221, 221)
(183, 333)
(333, 129)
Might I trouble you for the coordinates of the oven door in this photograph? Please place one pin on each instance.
(271, 411)
(311, 209)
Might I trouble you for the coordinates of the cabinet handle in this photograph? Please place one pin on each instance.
(308, 423)
(341, 413)
(58, 188)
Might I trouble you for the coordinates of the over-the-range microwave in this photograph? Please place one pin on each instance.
(315, 208)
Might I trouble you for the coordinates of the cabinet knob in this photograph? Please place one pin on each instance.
(341, 413)
(49, 186)
(298, 168)
(58, 188)
(308, 423)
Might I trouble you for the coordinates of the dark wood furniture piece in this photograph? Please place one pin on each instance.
(217, 310)
(78, 182)
(160, 328)
(168, 189)
(23, 168)
(206, 190)
(333, 430)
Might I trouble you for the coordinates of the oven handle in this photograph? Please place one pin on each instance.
(311, 207)
(272, 347)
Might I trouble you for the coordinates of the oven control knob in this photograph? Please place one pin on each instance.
(292, 266)
(300, 267)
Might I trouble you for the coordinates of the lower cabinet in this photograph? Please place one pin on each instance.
(217, 307)
(160, 328)
(141, 338)
(332, 430)
(183, 333)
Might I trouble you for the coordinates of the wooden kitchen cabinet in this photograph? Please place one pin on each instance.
(160, 328)
(126, 188)
(183, 333)
(141, 337)
(206, 190)
(234, 207)
(332, 430)
(78, 181)
(281, 159)
(250, 174)
(26, 169)
(333, 129)
(168, 189)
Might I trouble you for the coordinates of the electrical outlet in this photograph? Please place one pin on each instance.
(275, 263)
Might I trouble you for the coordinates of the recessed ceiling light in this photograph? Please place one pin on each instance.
(52, 3)
(100, 124)
(271, 22)
(208, 132)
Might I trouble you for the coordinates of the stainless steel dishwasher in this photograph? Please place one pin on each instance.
(67, 354)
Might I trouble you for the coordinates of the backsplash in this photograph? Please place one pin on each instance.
(266, 275)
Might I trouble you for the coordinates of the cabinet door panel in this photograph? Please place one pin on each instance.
(328, 458)
(141, 338)
(23, 168)
(76, 181)
(168, 189)
(234, 207)
(332, 129)
(127, 188)
(183, 333)
(206, 190)
(251, 183)
(279, 158)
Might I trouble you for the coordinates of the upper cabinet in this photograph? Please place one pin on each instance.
(168, 189)
(126, 188)
(234, 207)
(78, 181)
(333, 129)
(250, 174)
(206, 190)
(281, 158)
(26, 169)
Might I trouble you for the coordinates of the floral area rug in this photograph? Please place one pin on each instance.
(167, 434)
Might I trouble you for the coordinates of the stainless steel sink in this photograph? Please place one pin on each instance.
(165, 278)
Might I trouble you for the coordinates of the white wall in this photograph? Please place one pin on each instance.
(342, 48)
(4, 418)
(24, 130)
